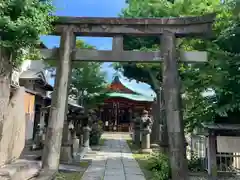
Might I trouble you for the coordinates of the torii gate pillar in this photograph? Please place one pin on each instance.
(51, 152)
(171, 91)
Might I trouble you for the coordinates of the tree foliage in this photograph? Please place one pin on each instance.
(21, 24)
(88, 80)
(220, 73)
(88, 83)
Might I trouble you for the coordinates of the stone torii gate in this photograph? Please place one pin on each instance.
(168, 28)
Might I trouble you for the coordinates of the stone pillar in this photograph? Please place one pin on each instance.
(42, 118)
(76, 144)
(67, 143)
(81, 134)
(145, 146)
(131, 121)
(155, 128)
(171, 88)
(212, 156)
(66, 152)
(86, 136)
(39, 132)
(51, 152)
(81, 140)
(137, 133)
(163, 134)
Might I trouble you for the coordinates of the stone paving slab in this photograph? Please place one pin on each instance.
(133, 171)
(114, 161)
(131, 165)
(99, 163)
(114, 177)
(116, 172)
(133, 177)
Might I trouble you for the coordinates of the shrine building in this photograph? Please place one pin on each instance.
(121, 104)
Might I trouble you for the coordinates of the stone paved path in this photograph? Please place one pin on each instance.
(114, 161)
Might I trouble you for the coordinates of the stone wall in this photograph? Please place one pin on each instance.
(13, 136)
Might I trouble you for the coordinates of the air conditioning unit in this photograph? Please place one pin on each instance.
(15, 78)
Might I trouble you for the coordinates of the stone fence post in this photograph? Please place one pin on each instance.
(86, 136)
(75, 141)
(66, 149)
(145, 146)
(137, 133)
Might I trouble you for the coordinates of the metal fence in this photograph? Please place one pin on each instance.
(197, 153)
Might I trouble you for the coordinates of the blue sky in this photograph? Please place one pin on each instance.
(92, 8)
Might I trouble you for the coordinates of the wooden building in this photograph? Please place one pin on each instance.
(121, 104)
(36, 88)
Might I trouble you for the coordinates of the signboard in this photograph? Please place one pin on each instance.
(228, 144)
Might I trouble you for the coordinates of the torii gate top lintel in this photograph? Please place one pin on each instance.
(97, 26)
(118, 27)
(136, 21)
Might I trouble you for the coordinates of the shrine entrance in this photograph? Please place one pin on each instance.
(116, 116)
(169, 29)
(118, 113)
(121, 103)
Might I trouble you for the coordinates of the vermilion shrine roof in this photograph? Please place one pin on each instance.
(119, 89)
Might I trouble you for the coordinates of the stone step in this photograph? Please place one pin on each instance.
(90, 155)
(45, 175)
(92, 152)
(20, 170)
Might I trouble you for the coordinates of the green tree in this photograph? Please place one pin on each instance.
(21, 24)
(88, 83)
(220, 73)
(196, 78)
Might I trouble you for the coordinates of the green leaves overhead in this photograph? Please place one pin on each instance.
(220, 74)
(88, 84)
(88, 80)
(22, 22)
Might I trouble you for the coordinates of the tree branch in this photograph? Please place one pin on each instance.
(155, 82)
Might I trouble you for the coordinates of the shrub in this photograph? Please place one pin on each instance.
(160, 166)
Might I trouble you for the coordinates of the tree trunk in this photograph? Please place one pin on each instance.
(161, 129)
(162, 121)
(5, 80)
(155, 128)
